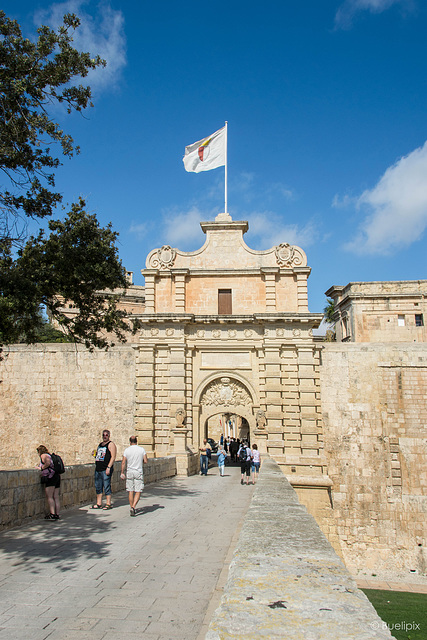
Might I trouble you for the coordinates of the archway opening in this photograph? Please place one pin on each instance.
(228, 425)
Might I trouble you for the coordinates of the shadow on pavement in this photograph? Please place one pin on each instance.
(148, 509)
(60, 545)
(171, 488)
(57, 544)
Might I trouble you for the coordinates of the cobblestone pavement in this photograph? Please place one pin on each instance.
(103, 574)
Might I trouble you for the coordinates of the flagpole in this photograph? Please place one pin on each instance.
(226, 172)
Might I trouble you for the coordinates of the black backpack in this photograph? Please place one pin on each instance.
(243, 454)
(58, 465)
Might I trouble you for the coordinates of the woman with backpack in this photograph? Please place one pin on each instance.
(244, 456)
(51, 481)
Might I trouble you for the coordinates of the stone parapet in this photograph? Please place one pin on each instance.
(285, 580)
(22, 496)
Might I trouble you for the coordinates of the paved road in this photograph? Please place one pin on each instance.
(102, 574)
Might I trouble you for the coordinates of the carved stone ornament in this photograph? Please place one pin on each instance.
(261, 420)
(164, 258)
(296, 333)
(216, 333)
(180, 417)
(169, 332)
(154, 332)
(248, 333)
(284, 254)
(225, 391)
(232, 333)
(280, 333)
(200, 333)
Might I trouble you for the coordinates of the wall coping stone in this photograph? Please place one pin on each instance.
(22, 496)
(285, 580)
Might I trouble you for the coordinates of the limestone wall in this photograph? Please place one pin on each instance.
(62, 396)
(22, 496)
(374, 403)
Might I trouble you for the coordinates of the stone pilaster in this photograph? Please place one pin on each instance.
(273, 400)
(291, 406)
(144, 400)
(162, 400)
(302, 296)
(269, 275)
(150, 301)
(177, 376)
(179, 278)
(189, 422)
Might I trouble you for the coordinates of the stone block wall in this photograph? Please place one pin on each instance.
(62, 396)
(374, 402)
(22, 496)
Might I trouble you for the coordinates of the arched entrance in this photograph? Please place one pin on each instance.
(228, 424)
(225, 404)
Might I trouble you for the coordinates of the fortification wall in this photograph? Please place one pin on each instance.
(62, 396)
(374, 404)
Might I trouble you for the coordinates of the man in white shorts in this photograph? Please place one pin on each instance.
(133, 460)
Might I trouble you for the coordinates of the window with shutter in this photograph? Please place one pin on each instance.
(224, 302)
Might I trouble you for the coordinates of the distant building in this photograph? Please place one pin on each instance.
(393, 311)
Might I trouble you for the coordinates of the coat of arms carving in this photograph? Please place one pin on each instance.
(226, 391)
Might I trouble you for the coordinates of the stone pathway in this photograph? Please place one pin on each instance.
(391, 586)
(102, 574)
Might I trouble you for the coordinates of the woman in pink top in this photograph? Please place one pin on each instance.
(256, 463)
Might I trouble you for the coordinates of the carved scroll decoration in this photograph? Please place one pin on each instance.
(163, 258)
(288, 256)
(225, 392)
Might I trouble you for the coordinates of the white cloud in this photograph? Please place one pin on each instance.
(341, 202)
(101, 32)
(346, 12)
(138, 230)
(245, 187)
(270, 230)
(182, 228)
(398, 207)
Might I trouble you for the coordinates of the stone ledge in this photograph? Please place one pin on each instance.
(285, 580)
(309, 481)
(23, 496)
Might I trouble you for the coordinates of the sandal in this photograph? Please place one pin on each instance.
(107, 507)
(96, 506)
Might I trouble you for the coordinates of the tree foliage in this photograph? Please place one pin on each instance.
(329, 311)
(78, 259)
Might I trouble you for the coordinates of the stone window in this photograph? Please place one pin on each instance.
(400, 321)
(224, 302)
(419, 320)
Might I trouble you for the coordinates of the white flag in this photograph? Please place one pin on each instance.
(206, 154)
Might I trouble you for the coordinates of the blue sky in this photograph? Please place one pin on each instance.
(327, 109)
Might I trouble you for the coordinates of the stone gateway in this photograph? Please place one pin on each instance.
(226, 346)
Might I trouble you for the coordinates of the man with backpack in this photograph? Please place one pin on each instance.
(244, 455)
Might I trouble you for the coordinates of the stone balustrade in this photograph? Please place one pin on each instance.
(285, 580)
(22, 496)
